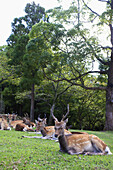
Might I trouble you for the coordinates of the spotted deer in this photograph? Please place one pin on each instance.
(78, 143)
(47, 132)
(41, 123)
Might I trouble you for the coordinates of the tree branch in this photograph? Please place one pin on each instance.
(102, 61)
(107, 47)
(64, 90)
(71, 81)
(90, 9)
(90, 88)
(105, 1)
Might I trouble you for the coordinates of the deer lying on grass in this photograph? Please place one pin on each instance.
(47, 132)
(79, 144)
(4, 124)
(41, 126)
(23, 127)
(26, 121)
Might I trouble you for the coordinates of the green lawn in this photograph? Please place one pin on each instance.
(17, 153)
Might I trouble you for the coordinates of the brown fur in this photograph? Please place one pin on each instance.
(25, 121)
(4, 124)
(15, 122)
(28, 122)
(48, 131)
(23, 127)
(78, 133)
(79, 143)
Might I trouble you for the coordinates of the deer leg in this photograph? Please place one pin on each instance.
(93, 153)
(73, 151)
(32, 137)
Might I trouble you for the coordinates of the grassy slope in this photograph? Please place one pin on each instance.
(24, 153)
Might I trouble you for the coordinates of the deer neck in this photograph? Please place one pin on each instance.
(43, 132)
(63, 143)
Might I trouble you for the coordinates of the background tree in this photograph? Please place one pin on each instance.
(17, 43)
(6, 73)
(82, 49)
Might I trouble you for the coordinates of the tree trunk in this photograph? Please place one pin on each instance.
(109, 97)
(32, 104)
(20, 110)
(109, 109)
(109, 90)
(50, 122)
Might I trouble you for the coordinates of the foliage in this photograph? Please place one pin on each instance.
(23, 153)
(88, 109)
(64, 51)
(6, 72)
(22, 25)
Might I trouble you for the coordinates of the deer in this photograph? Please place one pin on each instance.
(4, 124)
(13, 122)
(43, 122)
(23, 127)
(78, 143)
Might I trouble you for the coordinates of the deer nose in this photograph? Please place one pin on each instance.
(56, 135)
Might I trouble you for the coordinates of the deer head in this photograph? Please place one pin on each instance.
(42, 120)
(40, 123)
(60, 126)
(4, 124)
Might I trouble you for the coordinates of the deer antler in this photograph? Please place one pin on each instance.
(66, 113)
(52, 109)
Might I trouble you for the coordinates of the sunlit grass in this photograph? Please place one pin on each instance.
(21, 153)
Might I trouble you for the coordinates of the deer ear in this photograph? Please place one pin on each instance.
(36, 121)
(45, 120)
(66, 120)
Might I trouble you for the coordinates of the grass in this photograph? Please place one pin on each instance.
(17, 153)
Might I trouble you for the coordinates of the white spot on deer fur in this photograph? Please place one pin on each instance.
(24, 129)
(8, 128)
(107, 150)
(85, 142)
(78, 139)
